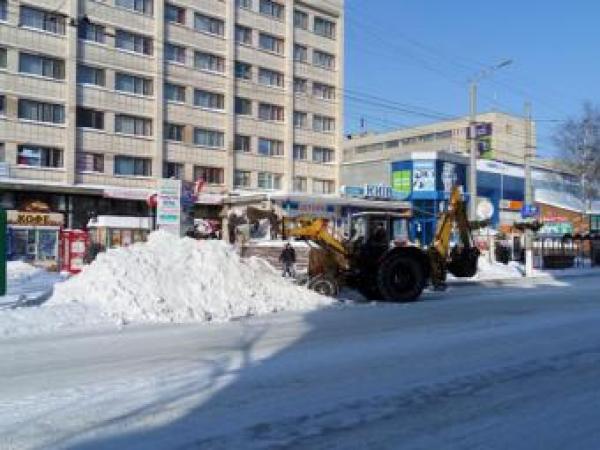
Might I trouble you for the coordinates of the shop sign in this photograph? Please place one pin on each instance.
(371, 191)
(485, 209)
(529, 211)
(423, 176)
(559, 228)
(511, 205)
(168, 209)
(33, 219)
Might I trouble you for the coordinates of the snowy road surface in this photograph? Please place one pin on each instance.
(510, 367)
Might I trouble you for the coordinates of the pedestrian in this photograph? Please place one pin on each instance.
(288, 258)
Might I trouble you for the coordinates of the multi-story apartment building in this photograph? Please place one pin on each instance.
(100, 98)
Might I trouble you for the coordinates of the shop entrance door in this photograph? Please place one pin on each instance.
(38, 244)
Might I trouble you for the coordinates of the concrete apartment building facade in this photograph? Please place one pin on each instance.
(500, 137)
(102, 98)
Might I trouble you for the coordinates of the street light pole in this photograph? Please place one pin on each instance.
(473, 152)
(473, 131)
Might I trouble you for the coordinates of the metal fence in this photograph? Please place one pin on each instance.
(566, 251)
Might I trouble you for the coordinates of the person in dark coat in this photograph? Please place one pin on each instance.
(288, 258)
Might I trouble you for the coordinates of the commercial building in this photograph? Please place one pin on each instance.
(100, 99)
(421, 165)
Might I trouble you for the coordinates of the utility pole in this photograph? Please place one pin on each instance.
(473, 152)
(529, 199)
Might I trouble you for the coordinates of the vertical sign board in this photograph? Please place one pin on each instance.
(2, 252)
(168, 209)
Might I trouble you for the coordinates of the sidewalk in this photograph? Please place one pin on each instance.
(27, 285)
(538, 274)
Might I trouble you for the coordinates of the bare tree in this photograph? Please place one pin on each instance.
(578, 140)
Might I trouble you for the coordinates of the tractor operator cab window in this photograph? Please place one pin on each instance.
(400, 230)
(358, 229)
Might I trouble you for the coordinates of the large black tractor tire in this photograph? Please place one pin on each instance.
(401, 278)
(324, 285)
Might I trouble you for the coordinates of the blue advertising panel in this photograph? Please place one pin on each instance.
(450, 174)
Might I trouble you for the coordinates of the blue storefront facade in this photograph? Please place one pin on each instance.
(427, 184)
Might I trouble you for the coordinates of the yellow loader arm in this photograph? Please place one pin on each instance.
(315, 230)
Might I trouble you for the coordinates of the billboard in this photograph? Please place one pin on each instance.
(423, 179)
(484, 139)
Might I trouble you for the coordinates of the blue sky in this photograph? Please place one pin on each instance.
(411, 60)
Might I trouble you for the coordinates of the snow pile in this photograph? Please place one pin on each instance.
(488, 271)
(169, 279)
(20, 272)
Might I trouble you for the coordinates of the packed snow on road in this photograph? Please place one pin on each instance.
(178, 344)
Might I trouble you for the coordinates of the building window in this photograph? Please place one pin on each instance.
(133, 84)
(323, 155)
(3, 58)
(141, 6)
(90, 75)
(91, 32)
(270, 147)
(42, 20)
(323, 91)
(174, 132)
(42, 65)
(243, 35)
(300, 53)
(300, 19)
(300, 184)
(175, 14)
(210, 175)
(270, 77)
(324, 27)
(242, 143)
(132, 166)
(323, 186)
(270, 43)
(208, 61)
(244, 4)
(3, 9)
(90, 118)
(323, 123)
(243, 70)
(173, 170)
(208, 24)
(271, 8)
(41, 112)
(267, 111)
(2, 152)
(241, 178)
(323, 59)
(209, 138)
(175, 53)
(300, 119)
(300, 152)
(137, 126)
(2, 104)
(268, 180)
(133, 42)
(243, 106)
(210, 100)
(37, 156)
(300, 85)
(90, 162)
(175, 92)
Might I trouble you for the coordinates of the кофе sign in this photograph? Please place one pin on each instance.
(33, 219)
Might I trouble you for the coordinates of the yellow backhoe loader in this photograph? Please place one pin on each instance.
(373, 261)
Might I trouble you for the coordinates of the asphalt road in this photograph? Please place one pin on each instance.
(494, 367)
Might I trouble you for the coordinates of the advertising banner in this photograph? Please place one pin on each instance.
(401, 182)
(423, 176)
(168, 209)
